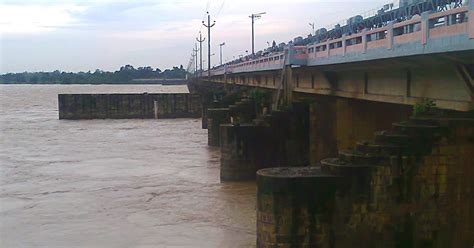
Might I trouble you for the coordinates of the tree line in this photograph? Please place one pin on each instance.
(125, 75)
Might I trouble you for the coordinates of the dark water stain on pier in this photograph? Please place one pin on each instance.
(112, 183)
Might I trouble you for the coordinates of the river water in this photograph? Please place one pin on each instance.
(112, 183)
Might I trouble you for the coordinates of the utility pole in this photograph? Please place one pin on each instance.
(195, 54)
(208, 26)
(200, 40)
(220, 46)
(191, 63)
(255, 17)
(312, 26)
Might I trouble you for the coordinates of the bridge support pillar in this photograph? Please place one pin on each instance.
(276, 140)
(294, 206)
(322, 131)
(216, 117)
(289, 85)
(398, 189)
(338, 123)
(242, 147)
(204, 117)
(243, 111)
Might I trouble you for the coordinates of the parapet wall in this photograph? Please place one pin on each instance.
(128, 106)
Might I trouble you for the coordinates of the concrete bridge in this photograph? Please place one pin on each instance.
(429, 56)
(345, 182)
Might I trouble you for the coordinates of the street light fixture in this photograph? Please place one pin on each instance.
(255, 17)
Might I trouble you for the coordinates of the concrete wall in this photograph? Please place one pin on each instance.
(339, 123)
(128, 106)
(413, 201)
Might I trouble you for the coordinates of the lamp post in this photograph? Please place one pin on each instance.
(255, 17)
(220, 46)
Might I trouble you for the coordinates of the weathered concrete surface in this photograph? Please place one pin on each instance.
(279, 139)
(128, 106)
(242, 149)
(290, 203)
(410, 187)
(339, 123)
(243, 111)
(216, 117)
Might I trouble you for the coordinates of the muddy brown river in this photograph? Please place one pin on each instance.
(112, 183)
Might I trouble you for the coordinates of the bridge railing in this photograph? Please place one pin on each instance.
(272, 61)
(419, 29)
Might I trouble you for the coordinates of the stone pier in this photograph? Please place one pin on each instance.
(279, 139)
(128, 106)
(329, 177)
(215, 118)
(294, 206)
(242, 151)
(243, 111)
(339, 123)
(410, 186)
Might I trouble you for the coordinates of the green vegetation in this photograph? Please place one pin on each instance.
(123, 76)
(424, 107)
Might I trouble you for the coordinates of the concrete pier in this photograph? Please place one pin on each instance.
(279, 139)
(338, 123)
(243, 111)
(241, 151)
(410, 186)
(128, 106)
(294, 205)
(288, 139)
(205, 106)
(216, 117)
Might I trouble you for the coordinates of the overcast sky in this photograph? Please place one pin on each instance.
(83, 35)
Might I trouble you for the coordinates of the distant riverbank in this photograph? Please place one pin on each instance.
(125, 75)
(151, 82)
